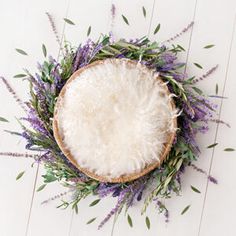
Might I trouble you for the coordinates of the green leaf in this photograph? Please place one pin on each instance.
(197, 65)
(22, 52)
(147, 222)
(91, 221)
(129, 221)
(48, 178)
(212, 145)
(197, 90)
(41, 187)
(229, 149)
(167, 181)
(13, 133)
(95, 202)
(191, 79)
(19, 76)
(44, 50)
(125, 20)
(89, 31)
(75, 207)
(3, 119)
(209, 46)
(185, 209)
(157, 29)
(181, 65)
(64, 204)
(68, 21)
(180, 47)
(20, 175)
(217, 88)
(144, 12)
(195, 189)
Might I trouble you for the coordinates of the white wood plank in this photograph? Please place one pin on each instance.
(139, 26)
(47, 219)
(85, 213)
(218, 216)
(204, 34)
(173, 17)
(84, 14)
(15, 195)
(23, 25)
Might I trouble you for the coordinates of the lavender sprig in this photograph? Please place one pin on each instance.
(16, 154)
(57, 196)
(186, 29)
(54, 29)
(209, 177)
(207, 74)
(15, 96)
(120, 202)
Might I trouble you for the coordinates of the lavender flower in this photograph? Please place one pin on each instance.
(187, 28)
(207, 74)
(12, 91)
(54, 29)
(136, 190)
(161, 207)
(47, 157)
(113, 10)
(16, 154)
(104, 189)
(116, 209)
(210, 178)
(217, 121)
(83, 55)
(37, 125)
(60, 195)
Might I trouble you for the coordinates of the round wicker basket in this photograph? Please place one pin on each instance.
(124, 178)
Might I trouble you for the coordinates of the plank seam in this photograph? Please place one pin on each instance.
(63, 29)
(151, 19)
(191, 34)
(70, 225)
(37, 171)
(217, 126)
(32, 200)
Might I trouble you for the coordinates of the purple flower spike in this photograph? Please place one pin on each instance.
(116, 209)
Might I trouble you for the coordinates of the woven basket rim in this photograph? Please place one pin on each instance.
(123, 178)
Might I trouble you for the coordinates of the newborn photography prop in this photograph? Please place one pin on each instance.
(115, 117)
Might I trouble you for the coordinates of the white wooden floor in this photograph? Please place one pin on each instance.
(23, 24)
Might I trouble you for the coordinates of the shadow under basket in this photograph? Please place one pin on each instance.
(58, 134)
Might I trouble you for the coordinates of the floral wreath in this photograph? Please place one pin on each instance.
(45, 85)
